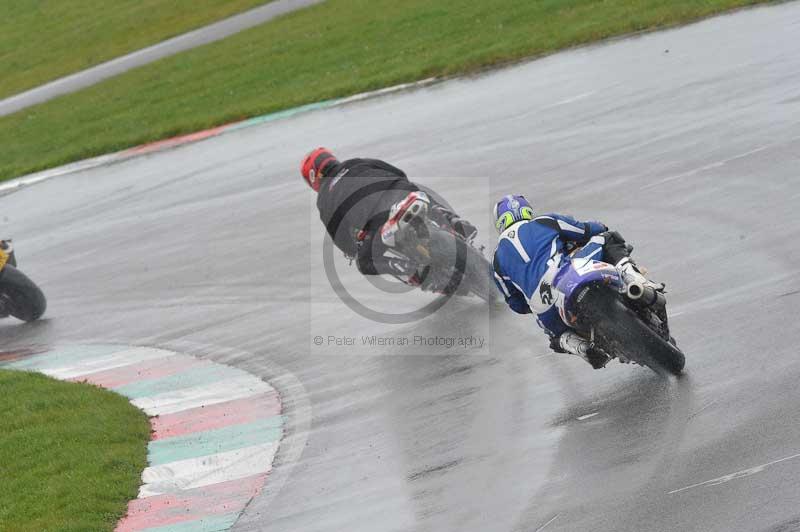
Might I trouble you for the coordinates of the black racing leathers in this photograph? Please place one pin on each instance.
(356, 196)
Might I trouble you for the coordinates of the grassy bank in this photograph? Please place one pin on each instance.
(41, 40)
(337, 48)
(71, 454)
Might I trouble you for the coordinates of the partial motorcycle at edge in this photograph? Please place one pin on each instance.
(20, 297)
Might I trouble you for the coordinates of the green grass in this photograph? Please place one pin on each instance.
(334, 49)
(71, 455)
(41, 40)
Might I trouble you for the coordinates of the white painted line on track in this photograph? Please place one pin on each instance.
(703, 408)
(587, 416)
(710, 166)
(733, 476)
(388, 90)
(206, 470)
(570, 100)
(204, 395)
(718, 164)
(112, 361)
(32, 179)
(547, 523)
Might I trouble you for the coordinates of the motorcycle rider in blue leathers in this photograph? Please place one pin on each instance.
(529, 254)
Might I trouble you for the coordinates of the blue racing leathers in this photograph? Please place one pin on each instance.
(528, 256)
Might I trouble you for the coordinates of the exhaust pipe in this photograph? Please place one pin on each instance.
(645, 295)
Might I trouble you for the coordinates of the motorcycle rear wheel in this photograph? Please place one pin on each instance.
(449, 252)
(26, 300)
(619, 330)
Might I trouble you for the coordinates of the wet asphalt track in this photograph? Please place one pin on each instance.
(687, 141)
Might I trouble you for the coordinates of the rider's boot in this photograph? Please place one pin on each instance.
(577, 345)
(460, 225)
(406, 212)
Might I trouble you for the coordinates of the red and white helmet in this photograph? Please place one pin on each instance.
(314, 165)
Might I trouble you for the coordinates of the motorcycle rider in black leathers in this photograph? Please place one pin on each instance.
(364, 203)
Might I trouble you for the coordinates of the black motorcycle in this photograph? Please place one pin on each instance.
(447, 263)
(19, 296)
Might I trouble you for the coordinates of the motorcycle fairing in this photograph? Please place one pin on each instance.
(575, 277)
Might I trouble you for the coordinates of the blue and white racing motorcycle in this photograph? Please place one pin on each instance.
(623, 317)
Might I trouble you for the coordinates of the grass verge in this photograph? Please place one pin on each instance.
(71, 454)
(334, 49)
(41, 40)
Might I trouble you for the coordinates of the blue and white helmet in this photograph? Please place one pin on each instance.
(510, 210)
